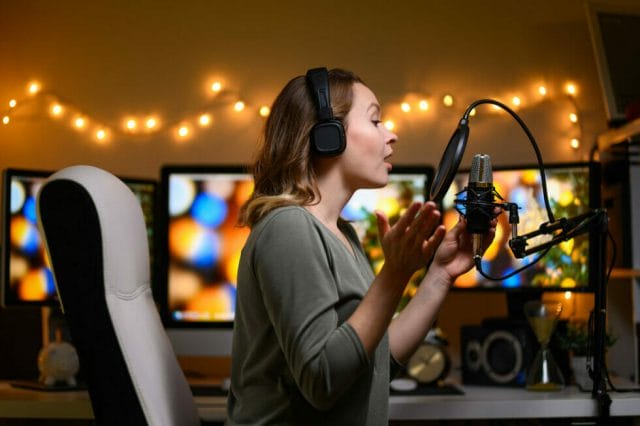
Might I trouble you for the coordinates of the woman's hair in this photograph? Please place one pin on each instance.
(283, 168)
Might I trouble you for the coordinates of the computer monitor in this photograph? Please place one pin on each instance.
(200, 245)
(573, 189)
(26, 274)
(406, 184)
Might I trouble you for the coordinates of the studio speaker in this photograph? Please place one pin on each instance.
(497, 353)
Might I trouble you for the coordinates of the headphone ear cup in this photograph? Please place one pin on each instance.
(328, 138)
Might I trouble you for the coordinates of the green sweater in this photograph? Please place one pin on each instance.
(295, 359)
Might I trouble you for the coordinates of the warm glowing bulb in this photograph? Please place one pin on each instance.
(405, 107)
(101, 134)
(516, 101)
(390, 125)
(183, 131)
(447, 100)
(13, 103)
(34, 87)
(423, 105)
(131, 124)
(567, 295)
(575, 143)
(238, 106)
(204, 120)
(571, 89)
(80, 122)
(56, 109)
(216, 86)
(151, 123)
(264, 111)
(542, 91)
(573, 117)
(5, 119)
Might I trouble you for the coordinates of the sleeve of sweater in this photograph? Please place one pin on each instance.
(294, 270)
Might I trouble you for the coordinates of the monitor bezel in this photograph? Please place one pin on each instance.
(595, 200)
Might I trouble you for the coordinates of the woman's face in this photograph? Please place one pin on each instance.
(365, 160)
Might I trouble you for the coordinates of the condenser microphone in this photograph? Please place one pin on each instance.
(479, 205)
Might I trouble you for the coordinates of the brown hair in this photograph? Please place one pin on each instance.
(283, 169)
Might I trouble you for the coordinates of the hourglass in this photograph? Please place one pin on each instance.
(543, 374)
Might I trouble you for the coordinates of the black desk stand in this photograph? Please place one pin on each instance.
(596, 223)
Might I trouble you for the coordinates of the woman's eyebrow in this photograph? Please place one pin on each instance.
(374, 106)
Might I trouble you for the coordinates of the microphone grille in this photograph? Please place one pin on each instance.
(481, 170)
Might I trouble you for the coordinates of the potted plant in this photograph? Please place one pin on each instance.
(576, 340)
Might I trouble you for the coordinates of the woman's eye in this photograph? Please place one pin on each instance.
(376, 122)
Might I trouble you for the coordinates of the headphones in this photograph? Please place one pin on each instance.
(327, 135)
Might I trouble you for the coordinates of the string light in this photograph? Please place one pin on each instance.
(33, 88)
(130, 124)
(56, 110)
(575, 143)
(239, 106)
(151, 123)
(571, 89)
(184, 128)
(216, 87)
(573, 117)
(204, 120)
(80, 122)
(101, 135)
(264, 111)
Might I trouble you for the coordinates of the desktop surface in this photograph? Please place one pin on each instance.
(477, 402)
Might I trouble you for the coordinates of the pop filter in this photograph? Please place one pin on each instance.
(450, 161)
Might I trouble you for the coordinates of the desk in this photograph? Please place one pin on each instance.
(478, 402)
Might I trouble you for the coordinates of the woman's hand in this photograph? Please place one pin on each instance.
(411, 242)
(455, 254)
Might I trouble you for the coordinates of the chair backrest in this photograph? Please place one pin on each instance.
(96, 238)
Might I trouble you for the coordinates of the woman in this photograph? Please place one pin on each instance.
(314, 339)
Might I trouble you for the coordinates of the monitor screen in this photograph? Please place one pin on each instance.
(201, 243)
(26, 275)
(406, 184)
(573, 188)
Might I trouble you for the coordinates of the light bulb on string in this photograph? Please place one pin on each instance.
(575, 143)
(34, 87)
(204, 120)
(264, 111)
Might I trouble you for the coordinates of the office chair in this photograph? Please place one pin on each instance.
(96, 238)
